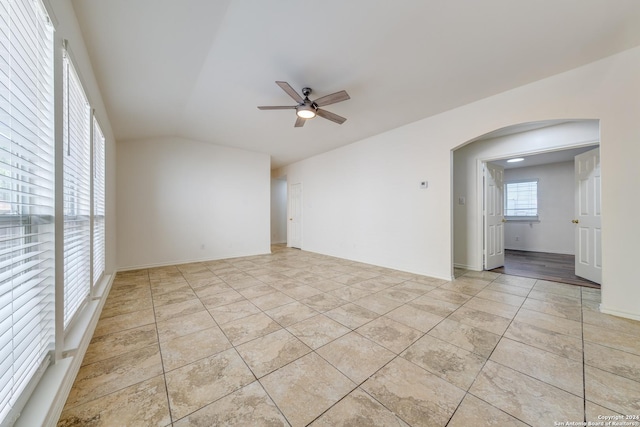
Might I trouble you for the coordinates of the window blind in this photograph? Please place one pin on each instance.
(98, 202)
(26, 199)
(521, 198)
(77, 192)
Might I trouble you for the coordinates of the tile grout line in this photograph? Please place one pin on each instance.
(398, 355)
(232, 346)
(582, 344)
(164, 372)
(584, 369)
(113, 357)
(502, 336)
(256, 379)
(468, 392)
(202, 358)
(357, 385)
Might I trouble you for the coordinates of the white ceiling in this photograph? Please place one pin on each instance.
(558, 156)
(199, 68)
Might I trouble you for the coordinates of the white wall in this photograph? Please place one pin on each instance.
(553, 232)
(278, 211)
(182, 201)
(467, 177)
(361, 201)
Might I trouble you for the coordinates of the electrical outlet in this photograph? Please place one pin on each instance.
(424, 184)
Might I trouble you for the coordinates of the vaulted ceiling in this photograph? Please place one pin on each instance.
(199, 68)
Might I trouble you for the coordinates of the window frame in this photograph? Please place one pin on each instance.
(76, 169)
(528, 218)
(98, 203)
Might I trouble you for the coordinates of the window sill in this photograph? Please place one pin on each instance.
(522, 219)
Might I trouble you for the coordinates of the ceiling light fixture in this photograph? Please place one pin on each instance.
(306, 111)
(519, 159)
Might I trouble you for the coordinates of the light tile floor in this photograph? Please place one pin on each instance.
(296, 338)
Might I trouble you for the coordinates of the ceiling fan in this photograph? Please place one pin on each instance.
(307, 109)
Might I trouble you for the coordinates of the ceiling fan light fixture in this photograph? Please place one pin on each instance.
(306, 112)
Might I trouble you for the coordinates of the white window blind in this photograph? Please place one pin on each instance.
(77, 192)
(26, 200)
(98, 202)
(521, 199)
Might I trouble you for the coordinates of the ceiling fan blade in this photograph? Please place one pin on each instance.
(332, 99)
(299, 122)
(277, 107)
(290, 91)
(330, 116)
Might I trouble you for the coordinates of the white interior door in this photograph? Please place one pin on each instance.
(493, 216)
(294, 227)
(588, 233)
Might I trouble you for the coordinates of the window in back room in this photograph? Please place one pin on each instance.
(521, 200)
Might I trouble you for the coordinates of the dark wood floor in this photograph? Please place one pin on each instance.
(540, 265)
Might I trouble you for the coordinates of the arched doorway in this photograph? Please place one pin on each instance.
(551, 138)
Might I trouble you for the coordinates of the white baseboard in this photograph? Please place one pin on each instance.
(190, 261)
(619, 313)
(467, 267)
(383, 265)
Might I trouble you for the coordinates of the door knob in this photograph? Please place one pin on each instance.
(575, 221)
(290, 219)
(504, 220)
